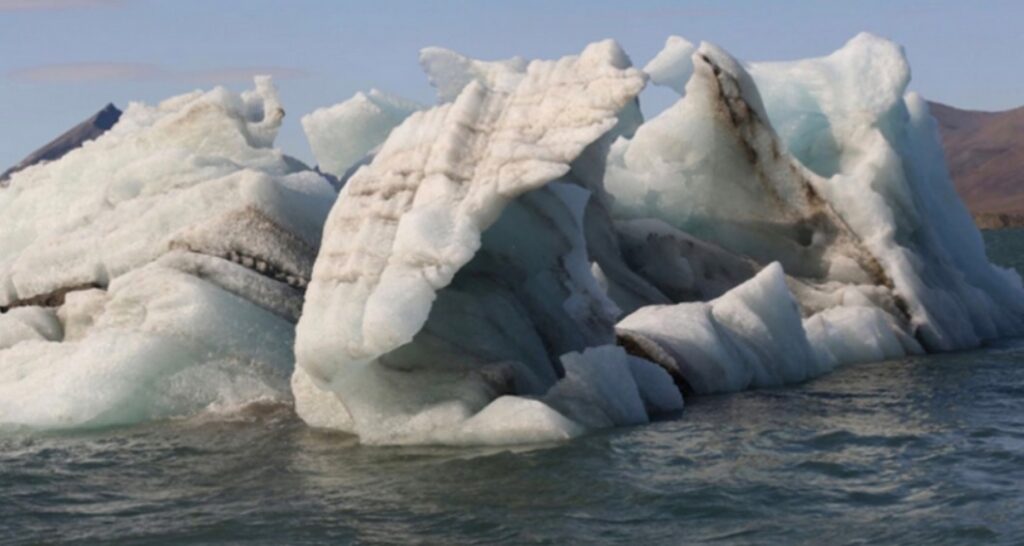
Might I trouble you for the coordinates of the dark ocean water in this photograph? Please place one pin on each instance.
(925, 450)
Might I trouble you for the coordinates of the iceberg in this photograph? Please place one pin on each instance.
(778, 221)
(525, 261)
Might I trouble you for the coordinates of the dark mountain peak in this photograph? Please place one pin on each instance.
(96, 125)
(107, 117)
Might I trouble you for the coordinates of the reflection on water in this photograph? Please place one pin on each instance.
(928, 449)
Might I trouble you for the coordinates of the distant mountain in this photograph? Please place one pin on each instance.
(89, 129)
(985, 152)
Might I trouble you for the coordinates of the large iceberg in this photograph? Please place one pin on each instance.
(777, 221)
(527, 260)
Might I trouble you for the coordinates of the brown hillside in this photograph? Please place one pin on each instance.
(985, 152)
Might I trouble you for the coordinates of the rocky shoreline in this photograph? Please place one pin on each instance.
(1004, 220)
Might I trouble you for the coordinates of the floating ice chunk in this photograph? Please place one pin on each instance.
(406, 224)
(856, 334)
(343, 134)
(471, 275)
(164, 344)
(672, 66)
(450, 72)
(752, 336)
(598, 390)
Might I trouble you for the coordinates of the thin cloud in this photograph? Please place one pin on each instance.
(87, 72)
(53, 5)
(144, 72)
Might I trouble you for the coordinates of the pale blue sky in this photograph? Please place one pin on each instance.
(61, 60)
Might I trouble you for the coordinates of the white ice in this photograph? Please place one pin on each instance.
(163, 344)
(157, 271)
(525, 262)
(342, 135)
(407, 223)
(450, 72)
(828, 167)
(883, 171)
(752, 336)
(672, 66)
(195, 172)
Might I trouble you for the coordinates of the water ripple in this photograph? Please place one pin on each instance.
(925, 450)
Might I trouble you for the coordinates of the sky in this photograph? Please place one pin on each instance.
(63, 60)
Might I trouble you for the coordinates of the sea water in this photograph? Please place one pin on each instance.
(925, 450)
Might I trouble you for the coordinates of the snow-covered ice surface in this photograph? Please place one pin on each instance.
(527, 260)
